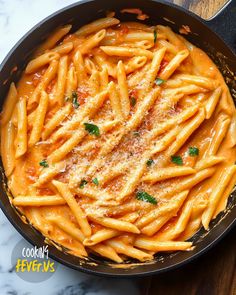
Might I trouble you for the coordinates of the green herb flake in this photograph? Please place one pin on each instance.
(44, 163)
(177, 160)
(159, 81)
(155, 36)
(133, 101)
(75, 100)
(193, 151)
(95, 181)
(136, 133)
(143, 196)
(83, 183)
(92, 129)
(150, 162)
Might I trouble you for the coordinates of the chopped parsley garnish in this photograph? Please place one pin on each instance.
(155, 36)
(177, 160)
(83, 183)
(133, 101)
(44, 163)
(193, 151)
(150, 162)
(159, 81)
(143, 196)
(92, 129)
(75, 100)
(136, 133)
(95, 181)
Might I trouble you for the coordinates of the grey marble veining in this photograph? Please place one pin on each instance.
(16, 18)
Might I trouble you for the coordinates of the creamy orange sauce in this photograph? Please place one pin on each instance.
(131, 147)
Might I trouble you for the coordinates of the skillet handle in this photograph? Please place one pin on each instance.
(224, 24)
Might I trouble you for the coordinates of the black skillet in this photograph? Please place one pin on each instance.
(203, 35)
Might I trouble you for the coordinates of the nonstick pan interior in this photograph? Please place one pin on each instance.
(160, 13)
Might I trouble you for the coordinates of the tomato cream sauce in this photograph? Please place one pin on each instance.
(129, 150)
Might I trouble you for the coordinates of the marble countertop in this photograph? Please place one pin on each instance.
(64, 281)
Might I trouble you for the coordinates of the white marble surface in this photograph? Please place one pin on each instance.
(16, 18)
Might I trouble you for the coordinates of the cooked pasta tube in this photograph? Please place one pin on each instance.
(79, 67)
(47, 174)
(216, 194)
(212, 102)
(67, 226)
(114, 223)
(64, 48)
(36, 201)
(46, 79)
(134, 64)
(61, 80)
(75, 208)
(9, 104)
(122, 248)
(123, 89)
(174, 64)
(197, 80)
(164, 209)
(94, 85)
(172, 233)
(107, 233)
(126, 52)
(7, 148)
(152, 72)
(185, 133)
(89, 109)
(92, 42)
(107, 251)
(21, 138)
(208, 162)
(152, 245)
(99, 24)
(41, 61)
(115, 101)
(89, 65)
(166, 173)
(221, 129)
(53, 123)
(54, 38)
(39, 119)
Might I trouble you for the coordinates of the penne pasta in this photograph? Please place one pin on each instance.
(41, 61)
(97, 25)
(174, 64)
(115, 224)
(39, 119)
(166, 173)
(152, 245)
(21, 137)
(56, 36)
(123, 89)
(119, 140)
(126, 52)
(9, 104)
(70, 200)
(92, 42)
(215, 196)
(61, 80)
(36, 201)
(7, 148)
(46, 79)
